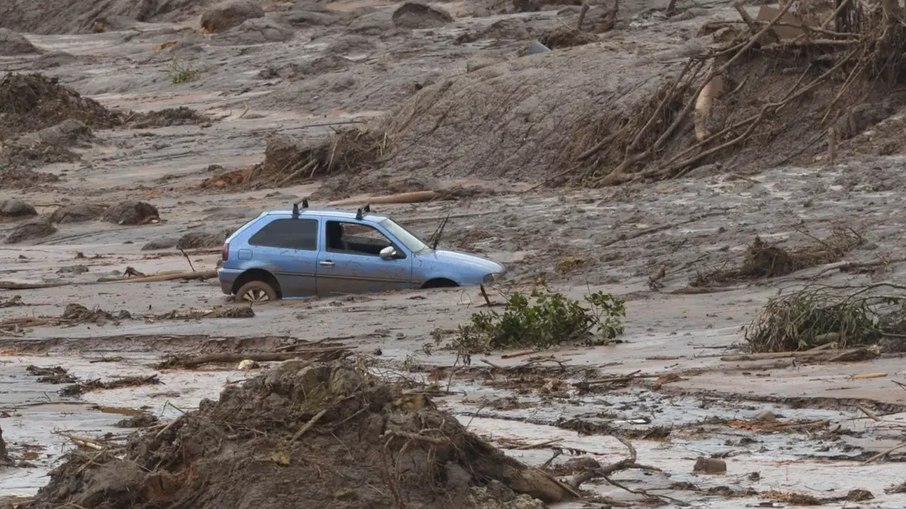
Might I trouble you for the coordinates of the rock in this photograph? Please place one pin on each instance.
(4, 456)
(480, 62)
(34, 229)
(16, 208)
(535, 48)
(159, 244)
(765, 416)
(510, 29)
(227, 15)
(247, 365)
(258, 31)
(312, 18)
(859, 495)
(415, 16)
(67, 133)
(12, 43)
(132, 213)
(73, 269)
(711, 466)
(78, 213)
(54, 59)
(201, 240)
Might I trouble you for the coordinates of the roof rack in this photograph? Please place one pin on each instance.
(296, 207)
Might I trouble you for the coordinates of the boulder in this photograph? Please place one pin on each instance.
(16, 208)
(33, 229)
(227, 15)
(78, 213)
(131, 213)
(12, 43)
(418, 16)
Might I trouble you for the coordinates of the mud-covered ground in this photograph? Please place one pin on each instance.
(783, 426)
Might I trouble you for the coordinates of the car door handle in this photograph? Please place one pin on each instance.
(326, 263)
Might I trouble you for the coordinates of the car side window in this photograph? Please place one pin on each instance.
(288, 234)
(355, 238)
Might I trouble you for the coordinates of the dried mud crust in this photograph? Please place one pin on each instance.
(303, 437)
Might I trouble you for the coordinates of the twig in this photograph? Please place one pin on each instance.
(884, 453)
(308, 425)
(187, 259)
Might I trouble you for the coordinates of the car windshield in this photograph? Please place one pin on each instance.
(412, 242)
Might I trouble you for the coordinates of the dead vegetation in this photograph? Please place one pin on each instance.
(368, 443)
(767, 260)
(826, 316)
(116, 383)
(291, 161)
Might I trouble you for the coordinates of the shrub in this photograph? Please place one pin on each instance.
(543, 319)
(182, 73)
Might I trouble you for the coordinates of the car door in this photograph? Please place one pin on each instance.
(350, 261)
(288, 249)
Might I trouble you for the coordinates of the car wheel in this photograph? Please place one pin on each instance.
(256, 292)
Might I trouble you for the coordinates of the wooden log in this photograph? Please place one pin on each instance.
(412, 197)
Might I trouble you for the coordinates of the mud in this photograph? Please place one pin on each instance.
(51, 17)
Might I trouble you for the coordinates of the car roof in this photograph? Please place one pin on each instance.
(331, 213)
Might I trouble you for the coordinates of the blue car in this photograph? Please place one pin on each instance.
(307, 252)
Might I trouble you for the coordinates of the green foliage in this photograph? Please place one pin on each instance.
(182, 73)
(543, 319)
(813, 317)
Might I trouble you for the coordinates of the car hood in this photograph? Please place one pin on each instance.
(452, 257)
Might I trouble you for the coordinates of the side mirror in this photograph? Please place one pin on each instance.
(389, 253)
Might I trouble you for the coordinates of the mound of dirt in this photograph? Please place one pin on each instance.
(167, 117)
(563, 37)
(14, 208)
(81, 16)
(31, 102)
(258, 31)
(201, 240)
(227, 15)
(12, 43)
(49, 145)
(158, 244)
(509, 29)
(417, 16)
(53, 59)
(131, 213)
(34, 229)
(367, 444)
(15, 177)
(519, 119)
(78, 213)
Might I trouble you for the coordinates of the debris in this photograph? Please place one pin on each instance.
(14, 301)
(711, 466)
(565, 37)
(143, 420)
(509, 29)
(419, 16)
(217, 312)
(200, 240)
(132, 213)
(13, 208)
(536, 48)
(12, 43)
(167, 117)
(169, 276)
(229, 14)
(765, 416)
(158, 244)
(247, 364)
(417, 452)
(117, 383)
(78, 213)
(800, 320)
(30, 230)
(258, 31)
(54, 375)
(315, 354)
(413, 197)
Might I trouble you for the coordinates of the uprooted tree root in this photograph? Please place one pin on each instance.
(742, 100)
(815, 317)
(289, 161)
(765, 260)
(302, 436)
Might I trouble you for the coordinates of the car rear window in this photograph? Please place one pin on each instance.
(288, 234)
